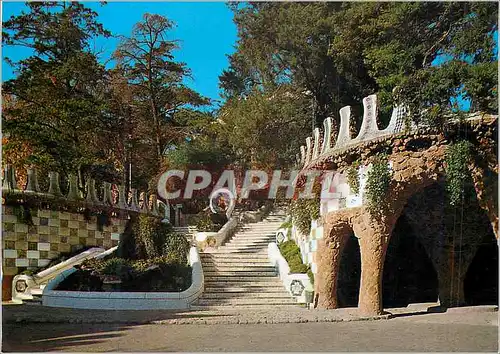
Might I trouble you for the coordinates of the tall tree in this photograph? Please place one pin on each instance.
(147, 61)
(435, 52)
(55, 101)
(289, 43)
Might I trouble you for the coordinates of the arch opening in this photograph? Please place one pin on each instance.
(349, 275)
(481, 279)
(460, 243)
(409, 275)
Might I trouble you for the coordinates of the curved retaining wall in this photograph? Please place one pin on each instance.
(127, 300)
(294, 283)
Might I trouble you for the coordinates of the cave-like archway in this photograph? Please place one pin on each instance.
(409, 276)
(349, 275)
(452, 234)
(481, 279)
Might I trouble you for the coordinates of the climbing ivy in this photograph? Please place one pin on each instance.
(353, 177)
(457, 158)
(377, 184)
(303, 211)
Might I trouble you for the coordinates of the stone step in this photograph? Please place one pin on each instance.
(252, 229)
(238, 289)
(247, 244)
(256, 280)
(220, 282)
(235, 262)
(240, 273)
(260, 307)
(242, 268)
(243, 239)
(256, 235)
(230, 252)
(265, 226)
(233, 255)
(250, 301)
(235, 248)
(246, 295)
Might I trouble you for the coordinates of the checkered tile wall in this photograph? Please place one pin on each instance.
(52, 233)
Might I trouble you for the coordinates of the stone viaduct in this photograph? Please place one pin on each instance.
(416, 155)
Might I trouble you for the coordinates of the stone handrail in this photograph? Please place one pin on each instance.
(150, 203)
(32, 283)
(315, 149)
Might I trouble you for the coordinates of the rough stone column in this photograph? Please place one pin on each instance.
(451, 270)
(374, 235)
(486, 190)
(329, 255)
(451, 288)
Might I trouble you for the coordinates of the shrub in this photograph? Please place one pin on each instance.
(210, 222)
(151, 235)
(176, 247)
(291, 253)
(116, 266)
(353, 177)
(377, 184)
(310, 274)
(303, 211)
(457, 157)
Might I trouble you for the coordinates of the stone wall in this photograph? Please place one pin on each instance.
(54, 222)
(52, 233)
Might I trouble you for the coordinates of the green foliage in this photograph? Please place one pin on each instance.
(210, 222)
(54, 104)
(116, 266)
(250, 127)
(176, 248)
(150, 236)
(163, 273)
(377, 184)
(458, 157)
(145, 60)
(434, 52)
(23, 214)
(291, 253)
(353, 177)
(303, 211)
(310, 274)
(146, 237)
(288, 226)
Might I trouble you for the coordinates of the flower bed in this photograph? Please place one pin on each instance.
(120, 300)
(149, 258)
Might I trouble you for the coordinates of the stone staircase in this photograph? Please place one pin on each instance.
(238, 274)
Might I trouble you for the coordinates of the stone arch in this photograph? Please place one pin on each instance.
(336, 233)
(409, 275)
(349, 273)
(481, 279)
(449, 235)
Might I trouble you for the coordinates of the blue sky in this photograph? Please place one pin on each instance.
(205, 30)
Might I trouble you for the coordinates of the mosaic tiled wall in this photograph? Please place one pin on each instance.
(308, 244)
(52, 233)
